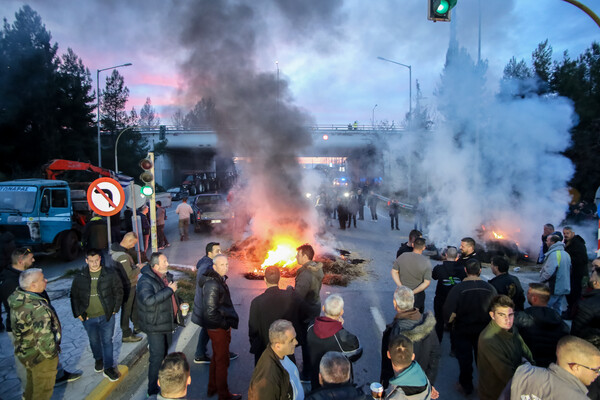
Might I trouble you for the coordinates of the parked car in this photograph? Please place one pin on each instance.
(177, 193)
(210, 210)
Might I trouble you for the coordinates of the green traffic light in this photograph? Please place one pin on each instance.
(146, 191)
(442, 7)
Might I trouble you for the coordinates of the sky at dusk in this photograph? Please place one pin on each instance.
(329, 61)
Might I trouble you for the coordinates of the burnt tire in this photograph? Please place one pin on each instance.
(69, 246)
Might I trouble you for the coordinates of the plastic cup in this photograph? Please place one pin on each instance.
(376, 390)
(185, 308)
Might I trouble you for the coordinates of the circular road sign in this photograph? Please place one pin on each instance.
(106, 197)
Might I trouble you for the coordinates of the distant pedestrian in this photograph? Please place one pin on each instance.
(413, 270)
(96, 295)
(95, 234)
(342, 212)
(37, 333)
(448, 274)
(547, 230)
(219, 317)
(270, 379)
(372, 202)
(393, 210)
(352, 209)
(161, 216)
(129, 272)
(361, 204)
(158, 311)
(145, 219)
(556, 271)
(506, 283)
(185, 212)
(575, 246)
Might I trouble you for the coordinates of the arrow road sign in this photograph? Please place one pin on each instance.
(106, 197)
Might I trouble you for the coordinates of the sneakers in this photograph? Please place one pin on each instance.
(131, 338)
(232, 355)
(112, 374)
(203, 360)
(98, 366)
(67, 377)
(161, 248)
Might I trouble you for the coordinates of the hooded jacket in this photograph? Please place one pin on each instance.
(541, 328)
(155, 304)
(328, 334)
(110, 292)
(35, 326)
(217, 307)
(587, 320)
(412, 383)
(309, 279)
(270, 380)
(561, 284)
(420, 329)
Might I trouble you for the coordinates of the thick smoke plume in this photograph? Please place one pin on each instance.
(494, 159)
(255, 117)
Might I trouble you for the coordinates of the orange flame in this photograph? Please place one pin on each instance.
(498, 235)
(283, 253)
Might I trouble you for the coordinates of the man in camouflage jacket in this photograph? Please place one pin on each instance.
(37, 333)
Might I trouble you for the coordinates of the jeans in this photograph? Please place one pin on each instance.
(392, 219)
(184, 228)
(202, 342)
(100, 332)
(465, 347)
(160, 233)
(420, 301)
(40, 380)
(556, 302)
(129, 312)
(219, 363)
(158, 344)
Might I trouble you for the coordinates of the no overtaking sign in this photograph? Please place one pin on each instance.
(106, 197)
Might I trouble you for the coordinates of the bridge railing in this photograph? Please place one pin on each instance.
(335, 129)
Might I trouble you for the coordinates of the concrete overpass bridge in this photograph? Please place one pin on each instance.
(192, 150)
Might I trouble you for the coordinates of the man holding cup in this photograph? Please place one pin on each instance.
(158, 311)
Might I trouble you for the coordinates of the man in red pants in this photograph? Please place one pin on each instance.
(218, 317)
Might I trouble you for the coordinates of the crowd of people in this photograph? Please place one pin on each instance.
(520, 349)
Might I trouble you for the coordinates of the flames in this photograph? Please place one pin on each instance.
(282, 254)
(496, 234)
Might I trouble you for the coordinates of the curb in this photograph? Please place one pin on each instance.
(181, 338)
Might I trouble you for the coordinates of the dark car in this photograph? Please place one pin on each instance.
(178, 193)
(210, 210)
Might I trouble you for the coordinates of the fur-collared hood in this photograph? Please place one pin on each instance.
(415, 330)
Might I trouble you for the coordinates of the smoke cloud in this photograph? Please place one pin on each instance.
(493, 159)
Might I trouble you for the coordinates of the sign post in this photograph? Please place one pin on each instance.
(106, 197)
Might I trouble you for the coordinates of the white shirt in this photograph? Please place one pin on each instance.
(291, 368)
(184, 210)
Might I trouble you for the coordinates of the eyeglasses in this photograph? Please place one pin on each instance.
(596, 370)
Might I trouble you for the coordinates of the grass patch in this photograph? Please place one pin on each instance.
(186, 284)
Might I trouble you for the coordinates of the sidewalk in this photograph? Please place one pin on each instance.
(75, 355)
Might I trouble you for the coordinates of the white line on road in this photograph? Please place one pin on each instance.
(379, 320)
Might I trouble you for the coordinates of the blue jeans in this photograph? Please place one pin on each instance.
(556, 302)
(202, 342)
(158, 345)
(100, 332)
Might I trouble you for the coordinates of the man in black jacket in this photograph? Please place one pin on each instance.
(334, 377)
(448, 274)
(507, 284)
(96, 295)
(270, 306)
(218, 317)
(418, 328)
(158, 312)
(407, 247)
(586, 323)
(540, 326)
(328, 334)
(575, 246)
(467, 309)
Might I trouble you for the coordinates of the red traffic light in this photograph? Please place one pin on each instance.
(146, 164)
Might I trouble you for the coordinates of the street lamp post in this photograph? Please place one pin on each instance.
(98, 104)
(409, 82)
(373, 117)
(117, 144)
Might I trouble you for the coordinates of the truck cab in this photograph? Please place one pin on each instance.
(41, 214)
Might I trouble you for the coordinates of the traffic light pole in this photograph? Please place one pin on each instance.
(153, 236)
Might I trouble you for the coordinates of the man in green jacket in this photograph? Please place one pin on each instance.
(37, 334)
(500, 349)
(270, 380)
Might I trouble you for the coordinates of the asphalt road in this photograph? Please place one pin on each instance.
(368, 307)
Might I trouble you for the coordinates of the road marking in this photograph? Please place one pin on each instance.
(378, 317)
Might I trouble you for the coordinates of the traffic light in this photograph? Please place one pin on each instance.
(162, 132)
(439, 10)
(147, 177)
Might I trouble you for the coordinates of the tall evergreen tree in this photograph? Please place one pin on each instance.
(148, 117)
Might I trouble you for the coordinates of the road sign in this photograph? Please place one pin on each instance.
(139, 197)
(106, 196)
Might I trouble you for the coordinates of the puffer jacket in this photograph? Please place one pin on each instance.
(412, 383)
(110, 292)
(541, 328)
(420, 329)
(204, 264)
(328, 334)
(562, 284)
(587, 320)
(217, 308)
(155, 307)
(338, 391)
(309, 279)
(35, 326)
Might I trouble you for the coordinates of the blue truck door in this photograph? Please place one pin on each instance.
(55, 213)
